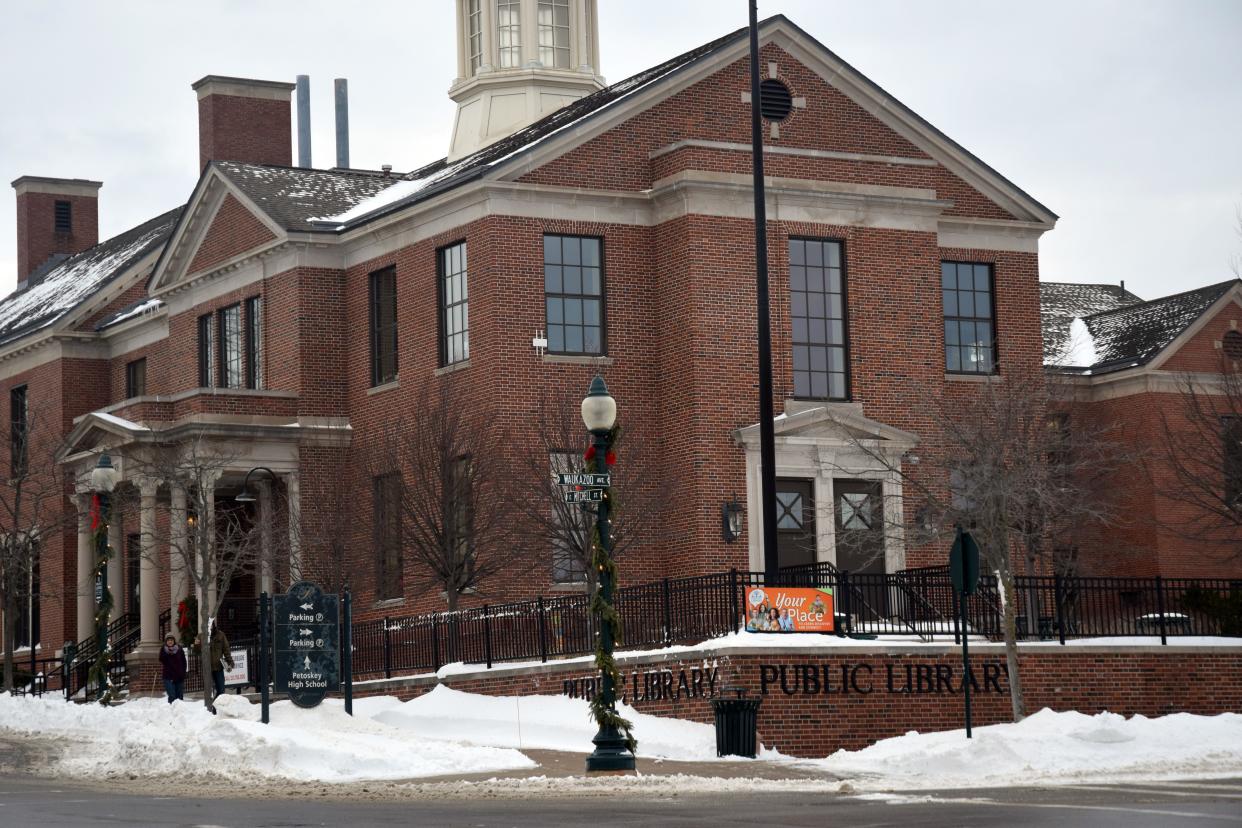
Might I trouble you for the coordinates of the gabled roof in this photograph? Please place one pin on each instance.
(441, 176)
(1062, 302)
(1135, 334)
(293, 195)
(56, 292)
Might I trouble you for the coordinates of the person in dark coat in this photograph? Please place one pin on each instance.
(174, 666)
(220, 655)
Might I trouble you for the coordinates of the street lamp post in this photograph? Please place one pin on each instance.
(103, 481)
(612, 751)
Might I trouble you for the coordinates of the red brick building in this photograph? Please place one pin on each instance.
(1158, 377)
(290, 314)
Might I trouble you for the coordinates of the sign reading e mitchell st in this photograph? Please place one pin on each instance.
(306, 630)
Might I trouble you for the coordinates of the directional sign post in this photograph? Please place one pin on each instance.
(964, 572)
(306, 629)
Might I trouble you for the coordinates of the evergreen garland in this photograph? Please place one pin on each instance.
(99, 672)
(604, 565)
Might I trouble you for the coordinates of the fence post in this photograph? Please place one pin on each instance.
(487, 635)
(435, 643)
(1057, 601)
(733, 601)
(843, 585)
(1160, 619)
(387, 648)
(668, 620)
(543, 631)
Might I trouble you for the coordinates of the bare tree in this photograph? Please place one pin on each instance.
(453, 483)
(567, 529)
(1198, 462)
(32, 508)
(217, 544)
(328, 536)
(1011, 467)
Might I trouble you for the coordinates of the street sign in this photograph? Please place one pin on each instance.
(964, 563)
(593, 480)
(306, 629)
(584, 496)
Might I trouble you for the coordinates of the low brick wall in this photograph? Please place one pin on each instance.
(818, 700)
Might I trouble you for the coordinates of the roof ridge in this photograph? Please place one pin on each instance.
(1202, 289)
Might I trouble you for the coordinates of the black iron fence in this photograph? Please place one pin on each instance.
(914, 602)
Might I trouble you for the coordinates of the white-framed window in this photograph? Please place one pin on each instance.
(509, 33)
(554, 33)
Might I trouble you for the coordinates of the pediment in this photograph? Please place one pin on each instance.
(220, 226)
(832, 424)
(97, 432)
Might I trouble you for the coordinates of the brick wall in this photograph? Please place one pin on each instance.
(37, 237)
(815, 702)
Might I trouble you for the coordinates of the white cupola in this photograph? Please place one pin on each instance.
(518, 60)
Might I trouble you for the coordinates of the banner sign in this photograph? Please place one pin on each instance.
(305, 629)
(239, 676)
(789, 609)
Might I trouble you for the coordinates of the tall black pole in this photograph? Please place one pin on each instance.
(767, 435)
(264, 654)
(103, 597)
(611, 750)
(347, 648)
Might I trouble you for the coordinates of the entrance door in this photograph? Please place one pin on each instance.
(860, 526)
(795, 523)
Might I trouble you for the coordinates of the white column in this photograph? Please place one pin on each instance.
(149, 572)
(295, 528)
(116, 566)
(178, 549)
(578, 22)
(487, 23)
(530, 33)
(265, 536)
(86, 565)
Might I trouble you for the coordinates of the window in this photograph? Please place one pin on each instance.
(454, 305)
(554, 33)
(474, 44)
(254, 342)
(18, 427)
(384, 326)
(26, 632)
(386, 513)
(817, 317)
(230, 347)
(568, 567)
(460, 518)
(509, 33)
(969, 335)
(206, 353)
(62, 213)
(1231, 431)
(136, 378)
(573, 283)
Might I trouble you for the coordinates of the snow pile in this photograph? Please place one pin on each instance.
(149, 737)
(1049, 748)
(1080, 349)
(541, 722)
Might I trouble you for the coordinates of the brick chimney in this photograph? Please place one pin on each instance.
(54, 215)
(246, 120)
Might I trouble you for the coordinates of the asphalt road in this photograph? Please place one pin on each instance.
(25, 801)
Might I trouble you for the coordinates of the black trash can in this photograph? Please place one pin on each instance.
(736, 722)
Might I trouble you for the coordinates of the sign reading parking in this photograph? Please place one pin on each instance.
(305, 632)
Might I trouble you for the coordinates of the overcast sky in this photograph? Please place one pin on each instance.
(1122, 117)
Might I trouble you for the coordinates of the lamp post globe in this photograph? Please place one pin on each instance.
(103, 476)
(599, 409)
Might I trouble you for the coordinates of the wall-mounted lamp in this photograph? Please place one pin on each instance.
(731, 520)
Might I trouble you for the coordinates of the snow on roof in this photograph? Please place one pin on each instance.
(441, 175)
(1061, 302)
(1080, 347)
(138, 308)
(128, 425)
(64, 286)
(292, 196)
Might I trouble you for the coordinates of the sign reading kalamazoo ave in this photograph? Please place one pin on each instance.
(306, 631)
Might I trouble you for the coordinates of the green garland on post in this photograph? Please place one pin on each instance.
(99, 673)
(605, 566)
